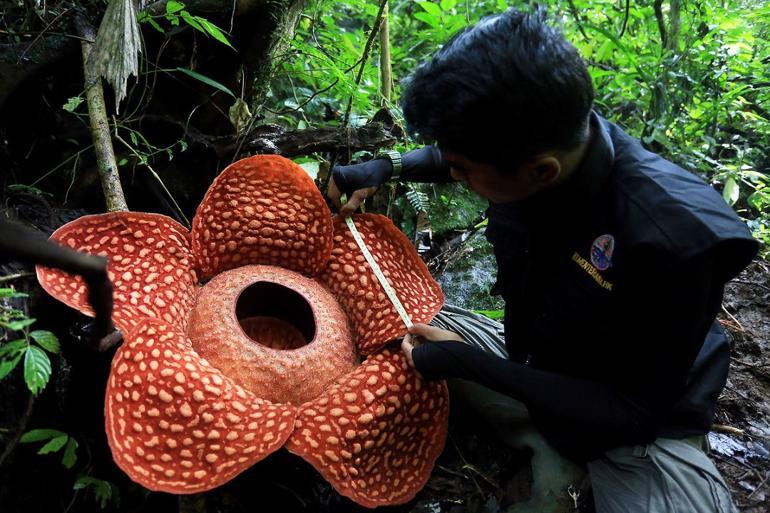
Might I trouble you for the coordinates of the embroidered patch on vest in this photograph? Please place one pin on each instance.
(601, 251)
(592, 271)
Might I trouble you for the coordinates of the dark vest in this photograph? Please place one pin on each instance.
(566, 258)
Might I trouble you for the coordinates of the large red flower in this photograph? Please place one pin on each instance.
(212, 378)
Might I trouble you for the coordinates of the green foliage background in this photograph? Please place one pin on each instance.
(698, 95)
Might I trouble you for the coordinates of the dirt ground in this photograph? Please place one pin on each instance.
(741, 450)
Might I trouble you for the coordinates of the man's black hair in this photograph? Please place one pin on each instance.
(502, 91)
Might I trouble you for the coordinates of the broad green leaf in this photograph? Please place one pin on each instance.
(72, 103)
(18, 325)
(212, 30)
(492, 314)
(6, 366)
(26, 189)
(9, 293)
(311, 168)
(192, 21)
(69, 457)
(431, 8)
(103, 490)
(11, 349)
(143, 17)
(239, 115)
(10, 355)
(759, 199)
(47, 340)
(37, 369)
(37, 435)
(206, 80)
(731, 191)
(427, 18)
(54, 444)
(447, 5)
(173, 7)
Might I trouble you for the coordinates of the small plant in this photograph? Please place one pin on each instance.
(32, 346)
(57, 441)
(103, 491)
(176, 13)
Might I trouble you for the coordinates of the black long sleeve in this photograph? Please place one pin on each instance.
(667, 316)
(424, 165)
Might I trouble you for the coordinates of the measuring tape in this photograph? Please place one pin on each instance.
(377, 271)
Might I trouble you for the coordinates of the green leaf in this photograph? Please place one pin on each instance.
(103, 490)
(174, 7)
(9, 293)
(448, 5)
(18, 325)
(6, 366)
(427, 18)
(431, 8)
(143, 17)
(311, 168)
(70, 453)
(37, 435)
(47, 340)
(192, 21)
(10, 355)
(72, 104)
(731, 191)
(37, 369)
(54, 444)
(26, 189)
(206, 80)
(11, 349)
(212, 30)
(492, 314)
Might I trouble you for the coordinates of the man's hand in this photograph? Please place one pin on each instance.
(358, 181)
(423, 332)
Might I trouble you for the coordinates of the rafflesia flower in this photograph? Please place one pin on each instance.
(213, 378)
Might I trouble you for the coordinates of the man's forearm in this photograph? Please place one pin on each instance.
(424, 165)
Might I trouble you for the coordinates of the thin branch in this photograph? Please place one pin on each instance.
(100, 127)
(625, 19)
(365, 57)
(386, 71)
(22, 426)
(11, 277)
(658, 7)
(157, 178)
(576, 15)
(759, 285)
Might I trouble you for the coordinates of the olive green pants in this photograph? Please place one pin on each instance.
(665, 476)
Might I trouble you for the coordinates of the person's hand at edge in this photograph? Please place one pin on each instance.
(358, 181)
(424, 332)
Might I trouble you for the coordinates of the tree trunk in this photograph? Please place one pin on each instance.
(271, 29)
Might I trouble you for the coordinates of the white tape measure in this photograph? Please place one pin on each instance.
(378, 272)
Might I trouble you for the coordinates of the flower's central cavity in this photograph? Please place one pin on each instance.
(275, 316)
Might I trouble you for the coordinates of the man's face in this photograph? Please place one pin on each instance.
(496, 184)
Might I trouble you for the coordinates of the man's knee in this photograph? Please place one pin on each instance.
(666, 476)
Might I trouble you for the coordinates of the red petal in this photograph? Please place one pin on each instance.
(270, 368)
(176, 424)
(376, 435)
(352, 280)
(262, 210)
(150, 266)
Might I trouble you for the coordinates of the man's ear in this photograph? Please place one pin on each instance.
(544, 171)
